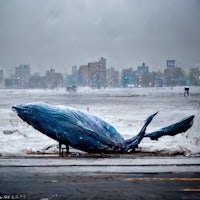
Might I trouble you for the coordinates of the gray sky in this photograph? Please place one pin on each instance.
(62, 33)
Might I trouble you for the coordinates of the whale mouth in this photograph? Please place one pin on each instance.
(18, 108)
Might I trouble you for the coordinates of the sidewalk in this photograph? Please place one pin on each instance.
(110, 165)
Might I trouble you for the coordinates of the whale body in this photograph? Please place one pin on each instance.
(87, 132)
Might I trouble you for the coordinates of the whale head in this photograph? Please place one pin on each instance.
(38, 115)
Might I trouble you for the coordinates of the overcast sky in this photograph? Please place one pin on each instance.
(62, 33)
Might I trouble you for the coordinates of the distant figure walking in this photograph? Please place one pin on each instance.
(186, 92)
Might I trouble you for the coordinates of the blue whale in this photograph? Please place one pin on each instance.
(87, 132)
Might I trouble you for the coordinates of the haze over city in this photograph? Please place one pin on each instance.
(63, 33)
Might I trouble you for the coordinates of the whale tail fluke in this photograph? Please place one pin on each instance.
(173, 129)
(133, 142)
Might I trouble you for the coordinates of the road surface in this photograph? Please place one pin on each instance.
(99, 178)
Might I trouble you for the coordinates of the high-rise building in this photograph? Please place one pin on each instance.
(171, 64)
(83, 75)
(142, 75)
(52, 79)
(112, 77)
(74, 70)
(142, 69)
(93, 74)
(97, 73)
(22, 74)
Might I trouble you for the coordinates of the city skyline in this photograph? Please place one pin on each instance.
(126, 32)
(9, 72)
(96, 75)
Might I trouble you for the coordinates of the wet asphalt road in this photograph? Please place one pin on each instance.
(105, 178)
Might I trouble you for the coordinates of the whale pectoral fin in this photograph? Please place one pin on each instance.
(133, 142)
(173, 129)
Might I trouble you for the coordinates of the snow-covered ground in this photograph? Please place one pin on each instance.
(125, 108)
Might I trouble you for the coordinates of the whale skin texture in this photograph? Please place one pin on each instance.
(87, 132)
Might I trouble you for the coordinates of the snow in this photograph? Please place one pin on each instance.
(125, 108)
